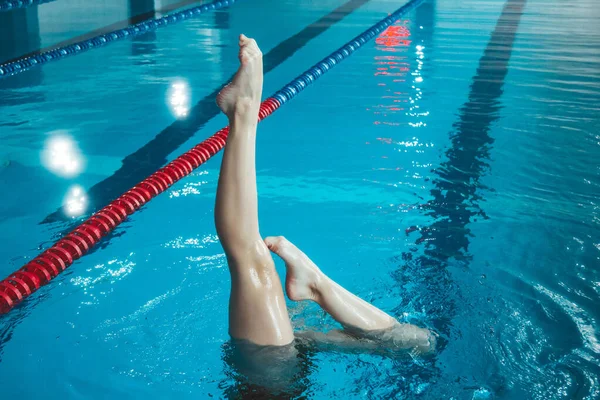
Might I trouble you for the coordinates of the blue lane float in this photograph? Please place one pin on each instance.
(27, 63)
(13, 4)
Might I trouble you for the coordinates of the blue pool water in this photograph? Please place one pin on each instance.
(447, 172)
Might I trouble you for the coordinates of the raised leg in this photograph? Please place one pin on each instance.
(305, 281)
(257, 309)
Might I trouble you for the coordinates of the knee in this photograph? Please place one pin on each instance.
(247, 250)
(254, 255)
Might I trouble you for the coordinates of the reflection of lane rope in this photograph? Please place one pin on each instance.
(13, 4)
(42, 269)
(392, 65)
(26, 63)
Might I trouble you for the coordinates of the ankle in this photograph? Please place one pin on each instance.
(242, 124)
(244, 109)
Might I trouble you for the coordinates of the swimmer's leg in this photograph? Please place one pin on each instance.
(305, 281)
(257, 309)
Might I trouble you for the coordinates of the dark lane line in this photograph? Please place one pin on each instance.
(19, 29)
(455, 190)
(153, 155)
(455, 198)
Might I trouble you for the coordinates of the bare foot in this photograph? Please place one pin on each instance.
(242, 96)
(303, 276)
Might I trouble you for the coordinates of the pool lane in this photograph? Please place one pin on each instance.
(457, 191)
(153, 155)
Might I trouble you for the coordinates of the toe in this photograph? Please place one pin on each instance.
(275, 243)
(248, 48)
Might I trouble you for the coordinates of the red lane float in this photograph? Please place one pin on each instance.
(46, 266)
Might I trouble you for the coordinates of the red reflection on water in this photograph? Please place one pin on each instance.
(389, 73)
(390, 69)
(391, 37)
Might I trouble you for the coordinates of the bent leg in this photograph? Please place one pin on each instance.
(257, 309)
(305, 281)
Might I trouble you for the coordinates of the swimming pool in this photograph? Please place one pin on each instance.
(447, 172)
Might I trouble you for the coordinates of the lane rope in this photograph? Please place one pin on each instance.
(46, 266)
(26, 63)
(14, 4)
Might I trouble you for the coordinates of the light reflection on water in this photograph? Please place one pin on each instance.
(76, 201)
(178, 99)
(61, 155)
